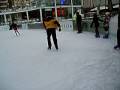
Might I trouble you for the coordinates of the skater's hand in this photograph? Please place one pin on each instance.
(59, 29)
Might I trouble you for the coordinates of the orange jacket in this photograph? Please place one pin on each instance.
(51, 24)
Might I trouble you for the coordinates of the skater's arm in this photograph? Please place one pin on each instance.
(58, 24)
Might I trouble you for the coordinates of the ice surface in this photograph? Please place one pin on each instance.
(82, 62)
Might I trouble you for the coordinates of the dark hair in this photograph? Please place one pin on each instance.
(77, 13)
(49, 18)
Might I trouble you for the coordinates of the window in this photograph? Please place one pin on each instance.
(76, 2)
(63, 2)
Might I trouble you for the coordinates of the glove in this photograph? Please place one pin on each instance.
(59, 29)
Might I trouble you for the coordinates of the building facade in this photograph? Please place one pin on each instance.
(36, 10)
(3, 4)
(94, 3)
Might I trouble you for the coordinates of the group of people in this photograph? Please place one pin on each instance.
(51, 24)
(95, 21)
(105, 24)
(106, 27)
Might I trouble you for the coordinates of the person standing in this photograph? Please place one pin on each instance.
(78, 22)
(106, 25)
(118, 32)
(51, 25)
(118, 40)
(96, 23)
(14, 27)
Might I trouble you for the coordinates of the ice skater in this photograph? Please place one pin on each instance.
(15, 28)
(78, 22)
(51, 25)
(118, 40)
(96, 22)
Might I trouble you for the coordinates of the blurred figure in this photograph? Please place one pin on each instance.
(106, 24)
(118, 40)
(118, 32)
(14, 27)
(51, 25)
(78, 22)
(96, 22)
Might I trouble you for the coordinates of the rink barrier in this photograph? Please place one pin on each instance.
(67, 25)
(24, 26)
(4, 27)
(113, 27)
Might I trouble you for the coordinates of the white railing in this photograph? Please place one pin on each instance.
(67, 25)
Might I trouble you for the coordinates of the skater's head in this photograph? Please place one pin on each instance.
(107, 13)
(49, 18)
(77, 13)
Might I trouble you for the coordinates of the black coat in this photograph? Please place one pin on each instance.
(78, 19)
(95, 21)
(13, 26)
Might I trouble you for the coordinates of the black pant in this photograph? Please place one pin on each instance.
(118, 38)
(52, 32)
(79, 28)
(97, 32)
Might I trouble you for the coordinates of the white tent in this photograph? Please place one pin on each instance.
(101, 8)
(104, 7)
(116, 6)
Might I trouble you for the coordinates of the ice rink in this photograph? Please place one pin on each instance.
(82, 62)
